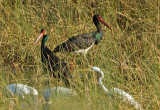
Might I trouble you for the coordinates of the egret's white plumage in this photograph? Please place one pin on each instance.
(58, 92)
(21, 90)
(84, 51)
(126, 97)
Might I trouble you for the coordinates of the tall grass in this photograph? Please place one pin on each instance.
(129, 55)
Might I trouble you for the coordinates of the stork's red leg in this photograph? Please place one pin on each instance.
(72, 62)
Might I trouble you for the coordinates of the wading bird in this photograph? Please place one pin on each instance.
(58, 92)
(23, 91)
(53, 62)
(82, 43)
(125, 96)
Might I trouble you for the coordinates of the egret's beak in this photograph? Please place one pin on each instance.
(39, 37)
(102, 21)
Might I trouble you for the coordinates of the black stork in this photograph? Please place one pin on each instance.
(53, 62)
(82, 43)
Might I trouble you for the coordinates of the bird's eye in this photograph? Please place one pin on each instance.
(45, 33)
(98, 17)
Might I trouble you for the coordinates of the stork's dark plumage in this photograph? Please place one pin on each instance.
(52, 62)
(82, 43)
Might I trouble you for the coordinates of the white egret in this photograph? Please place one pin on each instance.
(126, 97)
(58, 92)
(23, 91)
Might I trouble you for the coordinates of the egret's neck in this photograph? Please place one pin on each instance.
(101, 84)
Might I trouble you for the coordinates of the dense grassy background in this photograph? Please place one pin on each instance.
(129, 55)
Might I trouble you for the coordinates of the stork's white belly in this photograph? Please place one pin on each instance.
(84, 51)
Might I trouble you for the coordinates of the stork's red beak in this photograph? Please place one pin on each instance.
(102, 21)
(39, 37)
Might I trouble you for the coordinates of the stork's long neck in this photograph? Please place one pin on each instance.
(99, 32)
(98, 27)
(44, 41)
